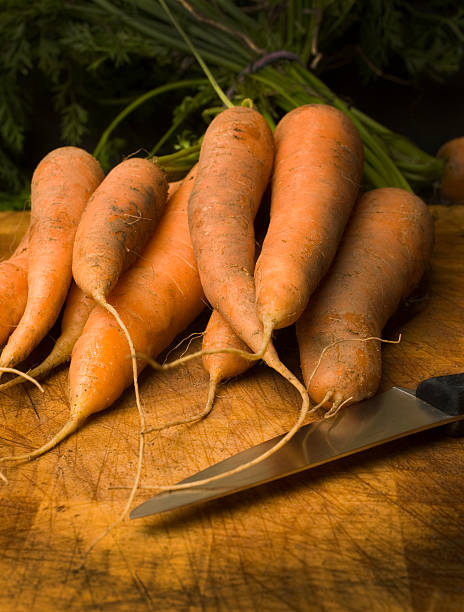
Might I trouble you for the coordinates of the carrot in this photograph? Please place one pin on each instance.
(452, 182)
(75, 314)
(235, 163)
(156, 299)
(317, 172)
(13, 288)
(61, 185)
(234, 167)
(383, 255)
(116, 224)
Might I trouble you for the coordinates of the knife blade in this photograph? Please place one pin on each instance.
(394, 414)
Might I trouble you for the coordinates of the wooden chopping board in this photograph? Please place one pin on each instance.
(383, 530)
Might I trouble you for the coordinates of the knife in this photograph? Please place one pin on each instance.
(385, 417)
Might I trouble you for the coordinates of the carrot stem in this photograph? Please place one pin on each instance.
(198, 57)
(153, 93)
(164, 35)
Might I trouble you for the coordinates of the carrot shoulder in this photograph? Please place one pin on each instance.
(317, 172)
(61, 185)
(383, 255)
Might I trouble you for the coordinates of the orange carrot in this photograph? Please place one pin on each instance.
(233, 171)
(116, 224)
(383, 255)
(13, 288)
(75, 314)
(234, 167)
(156, 299)
(452, 182)
(220, 365)
(317, 172)
(61, 185)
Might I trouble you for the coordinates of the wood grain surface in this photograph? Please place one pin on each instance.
(379, 531)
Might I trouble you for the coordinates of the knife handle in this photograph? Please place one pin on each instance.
(447, 394)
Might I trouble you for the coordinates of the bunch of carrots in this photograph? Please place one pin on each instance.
(130, 261)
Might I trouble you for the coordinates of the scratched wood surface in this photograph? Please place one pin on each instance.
(381, 531)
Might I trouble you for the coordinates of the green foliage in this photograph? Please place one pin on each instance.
(73, 61)
(85, 61)
(415, 40)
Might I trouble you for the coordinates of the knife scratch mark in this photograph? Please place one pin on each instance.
(414, 515)
(35, 484)
(141, 587)
(26, 391)
(400, 586)
(206, 557)
(277, 595)
(193, 574)
(103, 463)
(25, 442)
(87, 581)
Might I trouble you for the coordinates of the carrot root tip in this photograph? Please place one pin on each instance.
(68, 428)
(336, 407)
(213, 384)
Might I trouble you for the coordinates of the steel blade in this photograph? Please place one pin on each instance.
(385, 417)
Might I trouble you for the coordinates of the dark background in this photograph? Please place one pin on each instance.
(429, 114)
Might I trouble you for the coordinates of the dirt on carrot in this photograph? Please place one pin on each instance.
(117, 222)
